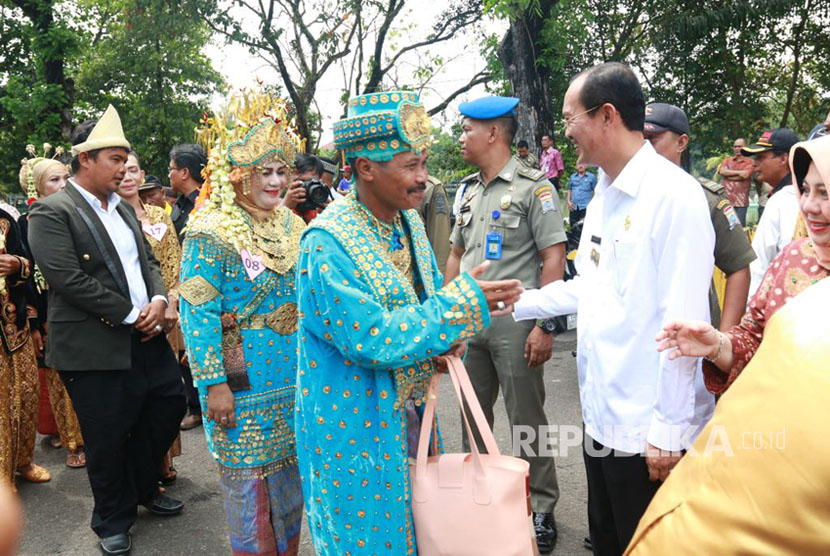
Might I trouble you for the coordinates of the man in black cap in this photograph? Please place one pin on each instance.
(771, 153)
(151, 193)
(667, 128)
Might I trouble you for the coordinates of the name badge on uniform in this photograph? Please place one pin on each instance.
(494, 241)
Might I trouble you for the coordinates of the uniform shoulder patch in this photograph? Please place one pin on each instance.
(471, 177)
(714, 187)
(722, 203)
(545, 195)
(531, 173)
(731, 215)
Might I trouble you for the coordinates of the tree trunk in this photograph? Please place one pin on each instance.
(799, 31)
(518, 52)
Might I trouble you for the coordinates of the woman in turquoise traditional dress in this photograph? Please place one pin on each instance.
(239, 318)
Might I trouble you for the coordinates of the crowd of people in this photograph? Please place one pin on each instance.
(299, 319)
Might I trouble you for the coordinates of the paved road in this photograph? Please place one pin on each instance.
(58, 512)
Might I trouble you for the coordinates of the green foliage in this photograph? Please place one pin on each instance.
(445, 161)
(150, 65)
(737, 67)
(64, 62)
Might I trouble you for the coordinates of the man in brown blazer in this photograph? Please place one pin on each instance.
(106, 316)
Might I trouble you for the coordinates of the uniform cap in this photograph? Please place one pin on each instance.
(150, 182)
(662, 117)
(779, 139)
(487, 108)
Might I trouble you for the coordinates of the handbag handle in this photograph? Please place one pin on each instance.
(461, 383)
(463, 390)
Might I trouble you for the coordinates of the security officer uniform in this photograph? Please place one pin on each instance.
(435, 212)
(732, 248)
(508, 222)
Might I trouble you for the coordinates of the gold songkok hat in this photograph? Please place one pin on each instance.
(106, 134)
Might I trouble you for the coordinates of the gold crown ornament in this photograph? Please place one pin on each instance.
(252, 129)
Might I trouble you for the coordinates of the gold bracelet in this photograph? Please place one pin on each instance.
(720, 348)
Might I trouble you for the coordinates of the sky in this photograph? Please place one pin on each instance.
(464, 59)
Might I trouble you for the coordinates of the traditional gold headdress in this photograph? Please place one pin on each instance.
(27, 178)
(250, 130)
(106, 134)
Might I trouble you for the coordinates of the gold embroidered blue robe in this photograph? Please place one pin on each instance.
(368, 333)
(217, 293)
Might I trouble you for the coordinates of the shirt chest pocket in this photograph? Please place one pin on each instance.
(510, 227)
(625, 256)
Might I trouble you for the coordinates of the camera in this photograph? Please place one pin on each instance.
(317, 195)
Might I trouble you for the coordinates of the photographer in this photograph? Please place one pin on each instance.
(308, 194)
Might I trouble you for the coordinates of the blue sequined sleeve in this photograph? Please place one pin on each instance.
(337, 305)
(202, 273)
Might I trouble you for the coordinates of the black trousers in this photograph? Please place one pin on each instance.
(190, 391)
(576, 215)
(618, 494)
(741, 212)
(129, 419)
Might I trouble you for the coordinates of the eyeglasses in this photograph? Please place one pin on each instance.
(173, 169)
(566, 122)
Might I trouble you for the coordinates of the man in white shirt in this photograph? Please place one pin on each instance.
(645, 258)
(771, 154)
(106, 318)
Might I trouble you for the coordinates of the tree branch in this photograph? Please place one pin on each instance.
(483, 76)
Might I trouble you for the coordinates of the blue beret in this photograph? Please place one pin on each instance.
(487, 108)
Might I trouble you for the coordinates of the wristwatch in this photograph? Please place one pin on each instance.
(548, 325)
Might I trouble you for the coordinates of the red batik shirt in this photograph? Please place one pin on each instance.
(738, 190)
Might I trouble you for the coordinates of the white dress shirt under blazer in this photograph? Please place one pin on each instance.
(645, 258)
(123, 239)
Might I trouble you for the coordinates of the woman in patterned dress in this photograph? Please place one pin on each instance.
(39, 178)
(801, 264)
(160, 234)
(239, 319)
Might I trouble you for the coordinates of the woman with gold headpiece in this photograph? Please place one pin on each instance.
(799, 265)
(239, 319)
(18, 366)
(39, 178)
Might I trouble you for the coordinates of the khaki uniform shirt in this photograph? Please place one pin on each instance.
(732, 248)
(435, 212)
(529, 220)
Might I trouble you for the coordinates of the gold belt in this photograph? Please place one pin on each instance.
(282, 321)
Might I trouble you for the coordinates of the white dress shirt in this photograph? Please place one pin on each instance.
(775, 230)
(123, 239)
(645, 258)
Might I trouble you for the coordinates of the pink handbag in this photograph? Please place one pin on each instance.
(469, 504)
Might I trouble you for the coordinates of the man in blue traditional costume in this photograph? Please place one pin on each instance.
(373, 318)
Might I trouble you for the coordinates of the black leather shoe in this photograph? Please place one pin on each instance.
(546, 533)
(164, 505)
(116, 544)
